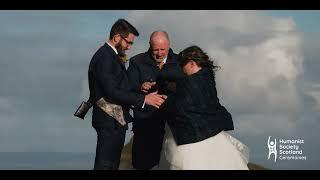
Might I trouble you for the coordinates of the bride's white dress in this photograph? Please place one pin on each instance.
(220, 152)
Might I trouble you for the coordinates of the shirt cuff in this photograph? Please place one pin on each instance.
(144, 102)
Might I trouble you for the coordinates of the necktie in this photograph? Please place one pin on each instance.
(123, 58)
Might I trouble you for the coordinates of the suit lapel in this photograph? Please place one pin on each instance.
(149, 59)
(120, 61)
(115, 56)
(170, 58)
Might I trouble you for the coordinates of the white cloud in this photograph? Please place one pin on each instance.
(5, 104)
(277, 124)
(8, 107)
(260, 57)
(314, 91)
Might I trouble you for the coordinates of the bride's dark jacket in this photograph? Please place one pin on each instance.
(195, 108)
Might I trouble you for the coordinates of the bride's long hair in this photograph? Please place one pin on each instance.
(200, 57)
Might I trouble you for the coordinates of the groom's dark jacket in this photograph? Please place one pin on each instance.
(197, 112)
(108, 78)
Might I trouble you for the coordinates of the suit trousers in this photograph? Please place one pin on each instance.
(147, 142)
(110, 143)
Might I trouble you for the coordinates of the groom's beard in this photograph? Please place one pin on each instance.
(120, 49)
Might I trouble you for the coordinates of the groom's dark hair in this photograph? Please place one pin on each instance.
(123, 28)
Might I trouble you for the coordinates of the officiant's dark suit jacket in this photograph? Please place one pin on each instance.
(148, 122)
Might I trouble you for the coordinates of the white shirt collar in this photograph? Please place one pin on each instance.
(114, 49)
(165, 60)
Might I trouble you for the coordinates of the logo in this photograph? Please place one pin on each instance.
(272, 145)
(285, 149)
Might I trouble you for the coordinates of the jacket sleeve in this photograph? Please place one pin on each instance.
(109, 85)
(171, 72)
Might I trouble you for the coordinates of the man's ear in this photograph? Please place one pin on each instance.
(116, 38)
(150, 45)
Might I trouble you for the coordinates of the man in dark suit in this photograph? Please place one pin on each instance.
(108, 79)
(154, 70)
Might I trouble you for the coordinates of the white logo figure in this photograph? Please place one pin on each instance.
(272, 148)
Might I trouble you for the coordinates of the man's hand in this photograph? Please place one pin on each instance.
(146, 86)
(155, 99)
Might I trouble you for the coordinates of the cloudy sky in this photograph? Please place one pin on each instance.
(268, 80)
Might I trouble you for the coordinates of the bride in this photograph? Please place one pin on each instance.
(196, 135)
